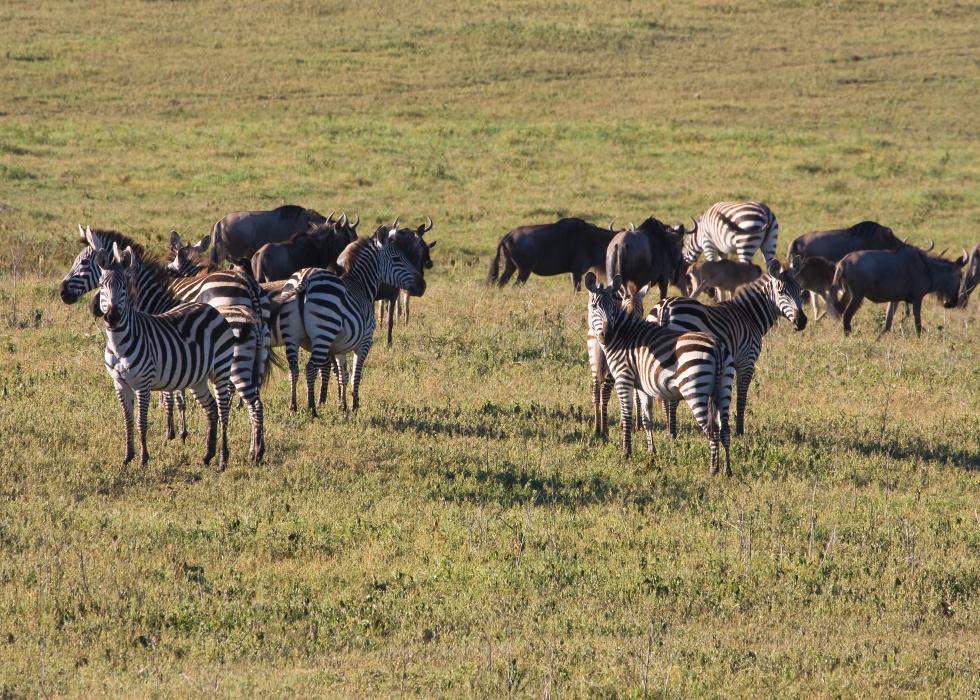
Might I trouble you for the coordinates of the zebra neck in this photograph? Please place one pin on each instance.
(757, 308)
(362, 283)
(617, 337)
(153, 296)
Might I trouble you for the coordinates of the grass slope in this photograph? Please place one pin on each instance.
(464, 534)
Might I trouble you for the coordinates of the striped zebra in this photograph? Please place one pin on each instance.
(188, 257)
(662, 363)
(179, 349)
(332, 316)
(157, 292)
(602, 379)
(733, 228)
(741, 323)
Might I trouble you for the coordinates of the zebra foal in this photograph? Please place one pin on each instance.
(663, 363)
(741, 323)
(179, 349)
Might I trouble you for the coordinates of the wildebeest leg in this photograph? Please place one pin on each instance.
(408, 300)
(522, 275)
(663, 283)
(852, 306)
(509, 269)
(831, 309)
(813, 303)
(917, 313)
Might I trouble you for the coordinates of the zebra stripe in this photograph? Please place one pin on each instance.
(179, 349)
(733, 228)
(666, 364)
(158, 292)
(741, 323)
(333, 316)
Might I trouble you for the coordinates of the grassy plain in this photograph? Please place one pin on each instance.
(464, 534)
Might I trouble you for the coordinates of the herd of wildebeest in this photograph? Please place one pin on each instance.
(297, 279)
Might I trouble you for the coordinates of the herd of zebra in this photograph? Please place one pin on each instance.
(300, 279)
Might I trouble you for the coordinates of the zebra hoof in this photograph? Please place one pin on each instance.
(128, 458)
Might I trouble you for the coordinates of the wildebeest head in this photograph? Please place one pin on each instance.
(785, 292)
(606, 310)
(971, 276)
(945, 276)
(413, 243)
(188, 257)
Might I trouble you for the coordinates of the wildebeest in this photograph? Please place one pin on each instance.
(650, 254)
(566, 246)
(971, 277)
(815, 275)
(724, 275)
(413, 244)
(907, 274)
(836, 243)
(241, 233)
(319, 246)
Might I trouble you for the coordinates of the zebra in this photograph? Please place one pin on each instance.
(188, 257)
(331, 315)
(741, 323)
(158, 292)
(602, 380)
(663, 363)
(180, 348)
(738, 228)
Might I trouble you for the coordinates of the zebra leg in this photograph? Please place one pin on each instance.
(744, 379)
(390, 321)
(210, 407)
(167, 404)
(292, 359)
(324, 381)
(223, 389)
(182, 412)
(319, 355)
(606, 392)
(624, 389)
(125, 396)
(357, 366)
(646, 412)
(340, 366)
(597, 405)
(142, 419)
(670, 411)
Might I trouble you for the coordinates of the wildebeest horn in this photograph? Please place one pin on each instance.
(943, 252)
(932, 244)
(611, 222)
(632, 227)
(330, 217)
(428, 225)
(354, 225)
(394, 224)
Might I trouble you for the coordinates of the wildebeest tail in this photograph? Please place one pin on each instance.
(494, 271)
(838, 288)
(217, 247)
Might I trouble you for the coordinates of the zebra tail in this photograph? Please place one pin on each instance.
(494, 271)
(263, 336)
(714, 403)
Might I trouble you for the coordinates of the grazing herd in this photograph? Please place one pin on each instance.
(299, 279)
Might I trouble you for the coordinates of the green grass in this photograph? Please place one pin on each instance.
(465, 534)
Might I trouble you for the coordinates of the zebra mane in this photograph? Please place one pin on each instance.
(156, 267)
(354, 253)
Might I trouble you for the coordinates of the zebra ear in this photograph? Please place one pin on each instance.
(774, 267)
(81, 234)
(174, 240)
(590, 282)
(203, 244)
(94, 239)
(95, 306)
(128, 256)
(617, 283)
(642, 291)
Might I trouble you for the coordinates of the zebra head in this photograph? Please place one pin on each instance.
(188, 257)
(606, 310)
(394, 267)
(83, 275)
(784, 292)
(114, 292)
(692, 243)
